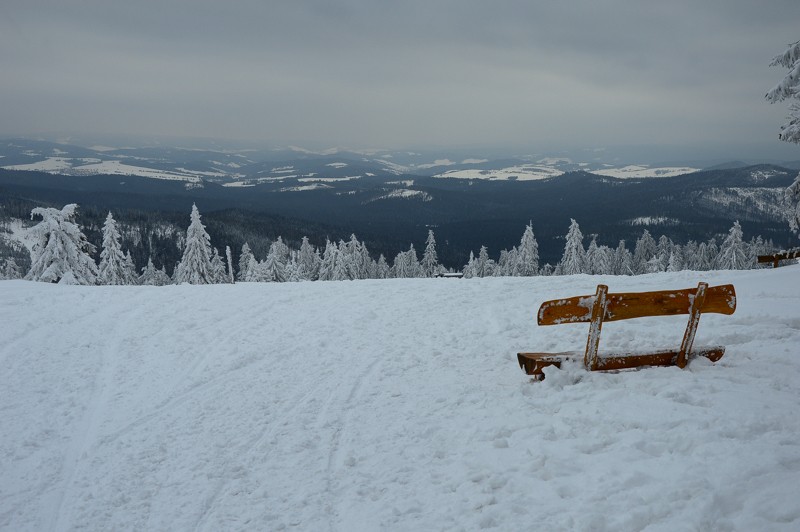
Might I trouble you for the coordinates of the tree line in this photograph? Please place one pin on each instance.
(62, 253)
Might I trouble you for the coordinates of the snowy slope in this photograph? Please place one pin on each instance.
(392, 405)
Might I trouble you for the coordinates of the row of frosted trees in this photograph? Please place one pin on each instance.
(61, 253)
(648, 256)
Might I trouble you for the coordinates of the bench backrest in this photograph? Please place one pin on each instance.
(718, 299)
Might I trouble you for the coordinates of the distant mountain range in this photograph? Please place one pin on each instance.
(390, 199)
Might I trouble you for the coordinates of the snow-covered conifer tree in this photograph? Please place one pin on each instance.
(10, 269)
(61, 252)
(293, 271)
(663, 251)
(244, 261)
(574, 259)
(406, 264)
(253, 271)
(691, 256)
(217, 267)
(382, 268)
(328, 261)
(675, 262)
(230, 264)
(273, 268)
(733, 254)
(654, 265)
(592, 257)
(526, 261)
(604, 264)
(483, 265)
(709, 254)
(342, 265)
(622, 262)
(502, 269)
(195, 266)
(788, 88)
(469, 268)
(430, 259)
(153, 277)
(130, 270)
(112, 269)
(308, 261)
(793, 205)
(643, 252)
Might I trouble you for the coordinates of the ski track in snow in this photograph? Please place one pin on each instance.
(394, 405)
(87, 430)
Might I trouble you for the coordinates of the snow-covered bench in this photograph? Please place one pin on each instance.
(603, 307)
(776, 258)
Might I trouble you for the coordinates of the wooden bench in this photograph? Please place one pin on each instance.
(776, 258)
(603, 307)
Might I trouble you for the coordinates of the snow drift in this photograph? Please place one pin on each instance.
(393, 404)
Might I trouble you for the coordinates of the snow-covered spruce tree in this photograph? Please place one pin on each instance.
(342, 267)
(130, 270)
(61, 253)
(663, 251)
(152, 277)
(244, 261)
(793, 205)
(622, 262)
(654, 265)
(218, 267)
(592, 257)
(10, 269)
(483, 266)
(253, 270)
(709, 254)
(675, 262)
(526, 261)
(789, 88)
(574, 259)
(112, 260)
(195, 266)
(691, 255)
(605, 261)
(406, 264)
(382, 268)
(643, 252)
(430, 259)
(229, 258)
(469, 267)
(504, 268)
(328, 261)
(273, 268)
(733, 253)
(308, 261)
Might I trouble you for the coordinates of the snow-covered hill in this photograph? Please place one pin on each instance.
(293, 166)
(389, 405)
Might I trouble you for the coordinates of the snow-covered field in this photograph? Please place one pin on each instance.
(390, 405)
(632, 171)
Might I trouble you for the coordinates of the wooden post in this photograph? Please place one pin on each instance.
(691, 327)
(598, 313)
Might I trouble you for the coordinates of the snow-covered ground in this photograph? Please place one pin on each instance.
(520, 173)
(632, 171)
(390, 405)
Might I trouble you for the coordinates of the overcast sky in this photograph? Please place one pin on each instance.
(381, 73)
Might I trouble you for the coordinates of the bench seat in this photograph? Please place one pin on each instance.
(533, 363)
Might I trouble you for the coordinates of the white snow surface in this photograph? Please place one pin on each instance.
(520, 173)
(390, 405)
(633, 171)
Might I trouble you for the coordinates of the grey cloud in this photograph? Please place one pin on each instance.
(396, 73)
